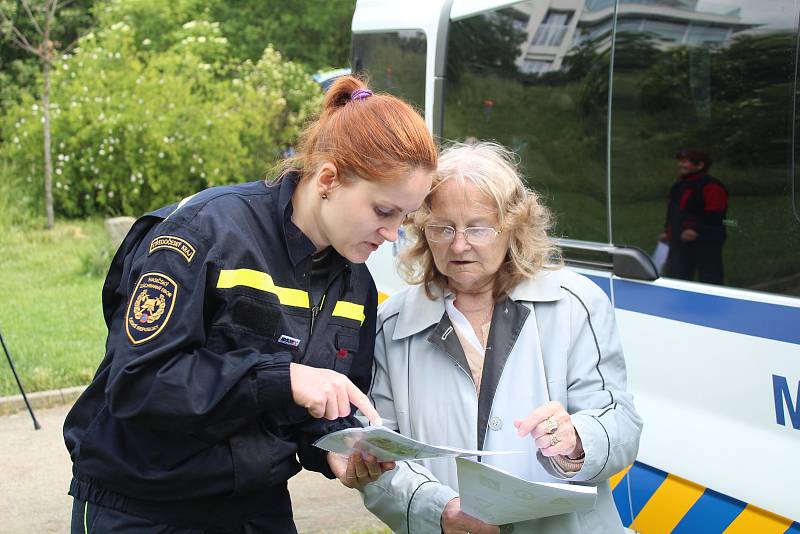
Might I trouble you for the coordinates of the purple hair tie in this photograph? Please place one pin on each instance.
(360, 94)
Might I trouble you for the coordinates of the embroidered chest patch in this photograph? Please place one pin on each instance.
(150, 307)
(171, 242)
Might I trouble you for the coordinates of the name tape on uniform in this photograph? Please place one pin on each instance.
(171, 242)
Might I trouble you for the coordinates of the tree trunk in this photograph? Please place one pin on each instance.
(48, 159)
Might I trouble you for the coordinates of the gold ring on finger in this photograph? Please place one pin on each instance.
(554, 440)
(550, 425)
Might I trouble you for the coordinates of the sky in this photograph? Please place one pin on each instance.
(774, 13)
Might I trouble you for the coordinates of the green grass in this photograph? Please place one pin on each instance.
(50, 310)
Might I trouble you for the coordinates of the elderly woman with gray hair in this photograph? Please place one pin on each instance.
(496, 347)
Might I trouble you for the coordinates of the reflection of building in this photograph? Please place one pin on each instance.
(555, 26)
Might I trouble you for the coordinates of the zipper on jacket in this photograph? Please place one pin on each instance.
(315, 311)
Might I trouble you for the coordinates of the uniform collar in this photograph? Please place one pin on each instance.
(298, 244)
(420, 312)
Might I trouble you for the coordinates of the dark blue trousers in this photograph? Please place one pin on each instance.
(90, 518)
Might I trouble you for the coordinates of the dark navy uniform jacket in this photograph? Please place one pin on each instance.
(207, 302)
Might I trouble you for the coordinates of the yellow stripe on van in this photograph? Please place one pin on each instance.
(263, 282)
(382, 296)
(349, 310)
(616, 479)
(664, 510)
(754, 519)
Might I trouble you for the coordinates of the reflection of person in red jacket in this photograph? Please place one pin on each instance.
(694, 230)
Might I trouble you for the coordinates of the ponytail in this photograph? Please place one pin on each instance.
(371, 136)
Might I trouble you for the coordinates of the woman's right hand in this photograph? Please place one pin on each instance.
(454, 521)
(326, 393)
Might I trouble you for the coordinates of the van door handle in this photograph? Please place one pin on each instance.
(623, 261)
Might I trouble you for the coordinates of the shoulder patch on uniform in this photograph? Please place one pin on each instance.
(171, 242)
(150, 307)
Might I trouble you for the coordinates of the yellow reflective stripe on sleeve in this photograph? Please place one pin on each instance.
(263, 282)
(349, 310)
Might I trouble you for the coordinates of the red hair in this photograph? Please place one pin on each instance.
(376, 138)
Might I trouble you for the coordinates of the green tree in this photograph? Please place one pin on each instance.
(135, 128)
(310, 32)
(18, 67)
(35, 32)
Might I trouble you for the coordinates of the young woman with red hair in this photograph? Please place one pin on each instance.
(241, 329)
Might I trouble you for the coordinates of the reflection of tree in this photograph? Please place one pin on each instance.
(581, 59)
(488, 43)
(589, 68)
(634, 50)
(735, 96)
(752, 83)
(392, 63)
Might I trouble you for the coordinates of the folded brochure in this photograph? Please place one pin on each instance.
(498, 498)
(387, 445)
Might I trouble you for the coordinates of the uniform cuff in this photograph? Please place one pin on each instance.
(273, 382)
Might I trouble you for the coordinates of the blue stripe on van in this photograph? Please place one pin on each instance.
(712, 512)
(621, 501)
(604, 283)
(771, 321)
(645, 480)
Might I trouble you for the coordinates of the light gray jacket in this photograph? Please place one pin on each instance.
(559, 323)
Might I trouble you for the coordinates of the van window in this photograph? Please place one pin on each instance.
(524, 76)
(702, 140)
(393, 62)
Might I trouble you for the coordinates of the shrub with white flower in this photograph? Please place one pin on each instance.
(144, 120)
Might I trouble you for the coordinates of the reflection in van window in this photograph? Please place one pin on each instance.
(717, 86)
(520, 75)
(393, 62)
(715, 78)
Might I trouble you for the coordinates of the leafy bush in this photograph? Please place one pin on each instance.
(135, 128)
(96, 259)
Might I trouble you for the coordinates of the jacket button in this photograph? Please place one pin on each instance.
(495, 423)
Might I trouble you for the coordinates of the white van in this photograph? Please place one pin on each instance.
(597, 97)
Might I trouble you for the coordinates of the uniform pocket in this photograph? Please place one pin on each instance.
(259, 317)
(346, 345)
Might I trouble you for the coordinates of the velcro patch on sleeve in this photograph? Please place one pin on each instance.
(150, 307)
(171, 242)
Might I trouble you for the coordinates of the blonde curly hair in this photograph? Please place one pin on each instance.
(494, 171)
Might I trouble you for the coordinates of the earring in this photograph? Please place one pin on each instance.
(324, 196)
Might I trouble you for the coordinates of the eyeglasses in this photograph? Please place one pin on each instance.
(474, 235)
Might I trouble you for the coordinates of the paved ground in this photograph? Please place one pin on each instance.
(36, 472)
